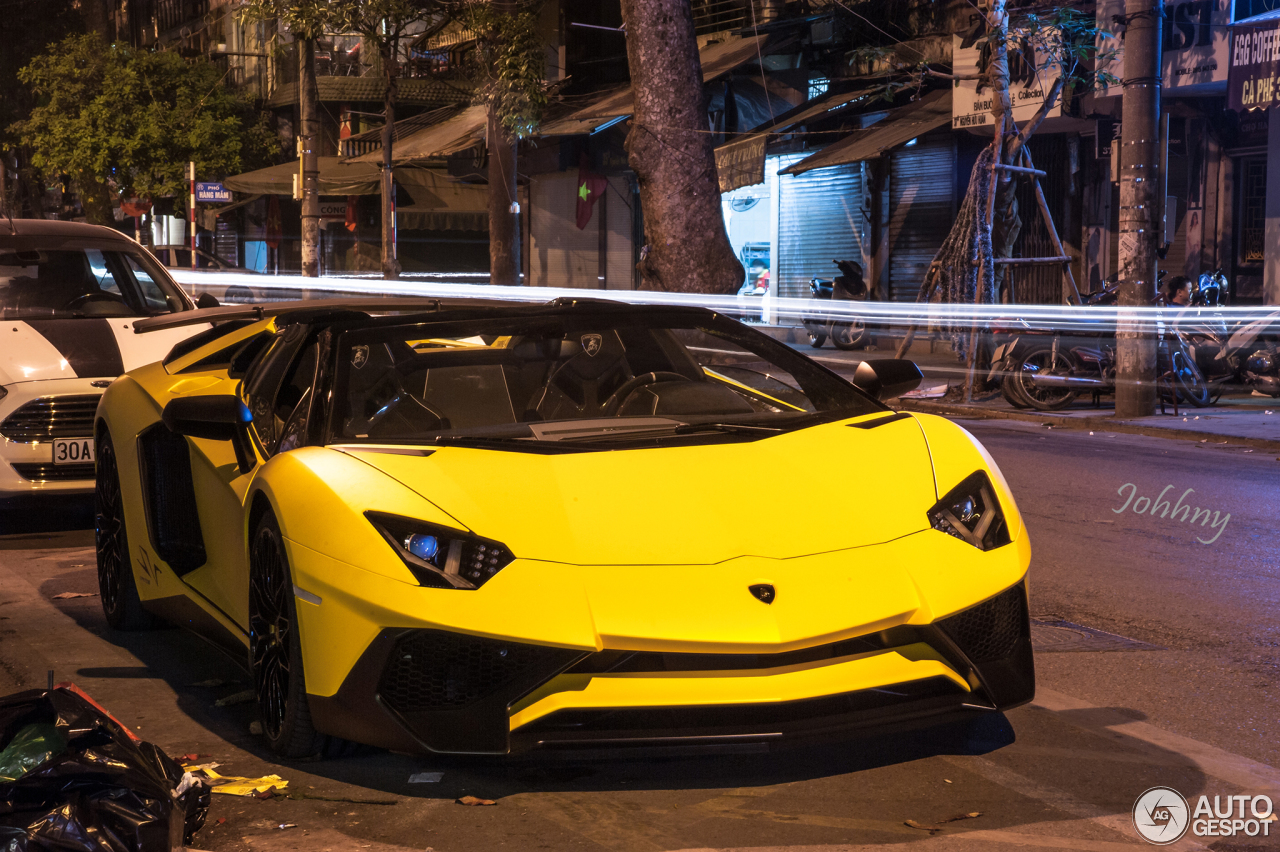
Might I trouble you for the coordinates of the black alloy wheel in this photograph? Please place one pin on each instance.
(275, 652)
(117, 586)
(848, 335)
(1039, 361)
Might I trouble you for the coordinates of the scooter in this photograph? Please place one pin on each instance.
(1048, 375)
(848, 286)
(1245, 357)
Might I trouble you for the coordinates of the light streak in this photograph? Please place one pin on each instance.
(1101, 320)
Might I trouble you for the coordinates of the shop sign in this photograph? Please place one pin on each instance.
(333, 210)
(1194, 49)
(971, 99)
(741, 163)
(1254, 81)
(207, 193)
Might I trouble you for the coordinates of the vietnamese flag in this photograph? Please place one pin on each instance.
(590, 187)
(275, 233)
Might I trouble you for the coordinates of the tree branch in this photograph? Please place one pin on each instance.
(945, 76)
(1030, 127)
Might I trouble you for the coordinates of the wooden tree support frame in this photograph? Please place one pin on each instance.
(931, 279)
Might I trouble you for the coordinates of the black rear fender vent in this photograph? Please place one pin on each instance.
(172, 519)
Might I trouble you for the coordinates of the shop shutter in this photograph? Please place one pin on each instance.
(819, 220)
(921, 211)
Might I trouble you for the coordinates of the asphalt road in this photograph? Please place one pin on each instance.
(1157, 664)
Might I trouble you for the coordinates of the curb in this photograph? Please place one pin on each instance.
(1099, 424)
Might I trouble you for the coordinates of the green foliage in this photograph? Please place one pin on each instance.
(1065, 40)
(305, 19)
(132, 119)
(510, 66)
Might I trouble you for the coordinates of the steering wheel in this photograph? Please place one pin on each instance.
(634, 384)
(388, 402)
(97, 296)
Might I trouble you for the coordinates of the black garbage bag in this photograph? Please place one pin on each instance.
(73, 779)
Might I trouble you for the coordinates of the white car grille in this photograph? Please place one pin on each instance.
(52, 417)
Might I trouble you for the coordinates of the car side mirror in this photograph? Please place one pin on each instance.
(207, 300)
(887, 378)
(220, 417)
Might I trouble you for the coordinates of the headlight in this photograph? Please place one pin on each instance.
(971, 513)
(442, 557)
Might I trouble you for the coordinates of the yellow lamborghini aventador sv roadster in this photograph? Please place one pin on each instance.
(487, 528)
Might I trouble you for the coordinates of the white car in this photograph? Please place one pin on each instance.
(69, 294)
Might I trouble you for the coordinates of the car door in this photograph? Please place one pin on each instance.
(271, 387)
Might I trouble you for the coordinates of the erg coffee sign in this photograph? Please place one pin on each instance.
(1254, 81)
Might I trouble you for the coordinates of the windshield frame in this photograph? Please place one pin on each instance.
(123, 246)
(471, 322)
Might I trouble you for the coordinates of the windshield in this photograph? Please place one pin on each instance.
(56, 277)
(578, 379)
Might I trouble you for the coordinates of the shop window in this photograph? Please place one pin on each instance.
(1253, 201)
(1248, 8)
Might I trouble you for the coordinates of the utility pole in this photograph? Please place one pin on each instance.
(307, 98)
(504, 204)
(1139, 205)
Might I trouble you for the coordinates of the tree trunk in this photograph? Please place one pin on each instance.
(504, 235)
(504, 208)
(670, 150)
(307, 98)
(96, 198)
(390, 263)
(1139, 227)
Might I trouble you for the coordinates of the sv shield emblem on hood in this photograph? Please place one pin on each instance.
(763, 592)
(359, 356)
(591, 344)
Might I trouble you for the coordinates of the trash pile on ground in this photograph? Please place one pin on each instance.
(74, 778)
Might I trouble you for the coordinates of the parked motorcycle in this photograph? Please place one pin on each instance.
(848, 286)
(1249, 356)
(1042, 372)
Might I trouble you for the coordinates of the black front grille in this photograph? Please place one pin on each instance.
(52, 417)
(990, 631)
(50, 472)
(432, 671)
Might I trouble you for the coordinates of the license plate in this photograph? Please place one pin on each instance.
(73, 451)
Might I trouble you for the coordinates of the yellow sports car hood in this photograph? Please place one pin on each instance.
(815, 490)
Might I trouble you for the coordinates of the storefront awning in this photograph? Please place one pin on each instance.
(1252, 75)
(818, 108)
(336, 178)
(435, 141)
(899, 127)
(717, 60)
(440, 202)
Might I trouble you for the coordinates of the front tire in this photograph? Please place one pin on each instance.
(275, 650)
(116, 584)
(816, 340)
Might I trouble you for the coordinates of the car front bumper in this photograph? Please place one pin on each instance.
(26, 466)
(436, 686)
